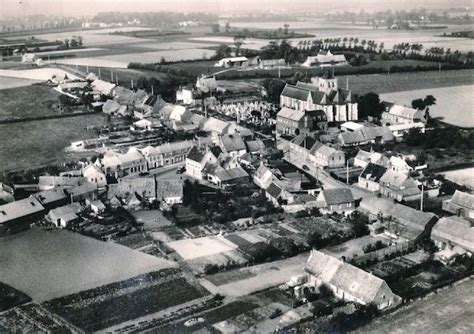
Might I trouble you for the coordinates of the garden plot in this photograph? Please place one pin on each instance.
(453, 104)
(51, 264)
(190, 249)
(354, 247)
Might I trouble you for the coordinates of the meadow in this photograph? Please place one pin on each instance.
(453, 104)
(55, 263)
(31, 101)
(37, 144)
(461, 176)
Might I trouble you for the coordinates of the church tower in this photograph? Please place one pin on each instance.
(326, 83)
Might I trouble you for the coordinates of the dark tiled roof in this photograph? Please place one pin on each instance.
(295, 92)
(195, 154)
(274, 190)
(216, 150)
(338, 196)
(373, 172)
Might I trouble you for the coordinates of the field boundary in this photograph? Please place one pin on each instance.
(40, 118)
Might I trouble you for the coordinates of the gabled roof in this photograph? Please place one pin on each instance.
(322, 149)
(231, 174)
(215, 125)
(232, 143)
(456, 230)
(83, 189)
(91, 169)
(366, 134)
(18, 209)
(304, 141)
(463, 199)
(405, 112)
(67, 212)
(50, 196)
(295, 92)
(255, 146)
(167, 148)
(394, 178)
(273, 190)
(294, 115)
(338, 196)
(110, 106)
(144, 186)
(195, 154)
(169, 188)
(373, 172)
(346, 277)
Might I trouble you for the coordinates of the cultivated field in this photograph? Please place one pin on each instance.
(41, 74)
(453, 104)
(35, 144)
(8, 83)
(448, 311)
(461, 176)
(51, 264)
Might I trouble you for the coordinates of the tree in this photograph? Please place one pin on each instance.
(370, 105)
(274, 87)
(227, 26)
(223, 51)
(66, 43)
(429, 100)
(314, 239)
(215, 28)
(285, 28)
(418, 104)
(238, 41)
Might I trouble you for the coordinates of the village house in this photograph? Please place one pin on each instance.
(348, 282)
(232, 62)
(52, 198)
(309, 149)
(336, 200)
(225, 177)
(169, 191)
(323, 93)
(65, 215)
(102, 87)
(399, 186)
(324, 59)
(19, 215)
(113, 108)
(167, 154)
(278, 195)
(294, 122)
(86, 191)
(363, 158)
(96, 206)
(453, 231)
(217, 127)
(399, 165)
(206, 84)
(397, 114)
(263, 176)
(94, 175)
(197, 159)
(413, 222)
(145, 187)
(47, 182)
(370, 177)
(184, 95)
(233, 145)
(461, 204)
(366, 135)
(130, 163)
(399, 130)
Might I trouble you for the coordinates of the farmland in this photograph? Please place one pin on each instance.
(29, 101)
(122, 301)
(461, 176)
(448, 311)
(41, 143)
(51, 264)
(8, 83)
(453, 104)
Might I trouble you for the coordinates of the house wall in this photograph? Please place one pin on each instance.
(194, 169)
(457, 210)
(368, 184)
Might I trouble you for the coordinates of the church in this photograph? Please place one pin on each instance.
(322, 93)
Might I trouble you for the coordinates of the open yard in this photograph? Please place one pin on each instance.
(241, 282)
(448, 311)
(51, 264)
(453, 104)
(190, 249)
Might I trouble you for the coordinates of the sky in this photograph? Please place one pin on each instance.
(91, 7)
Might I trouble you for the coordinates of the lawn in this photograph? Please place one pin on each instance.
(51, 264)
(190, 249)
(31, 101)
(30, 145)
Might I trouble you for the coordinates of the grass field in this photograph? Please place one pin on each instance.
(454, 104)
(41, 74)
(190, 249)
(461, 176)
(29, 101)
(35, 144)
(10, 297)
(448, 311)
(51, 264)
(8, 83)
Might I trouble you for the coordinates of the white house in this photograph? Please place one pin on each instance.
(94, 175)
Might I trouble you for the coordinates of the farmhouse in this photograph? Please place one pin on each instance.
(453, 231)
(461, 204)
(267, 64)
(398, 186)
(323, 93)
(324, 59)
(366, 135)
(166, 154)
(232, 62)
(397, 114)
(370, 177)
(336, 200)
(18, 215)
(52, 198)
(348, 282)
(103, 87)
(65, 215)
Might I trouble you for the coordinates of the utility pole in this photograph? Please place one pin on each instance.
(421, 200)
(347, 171)
(99, 72)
